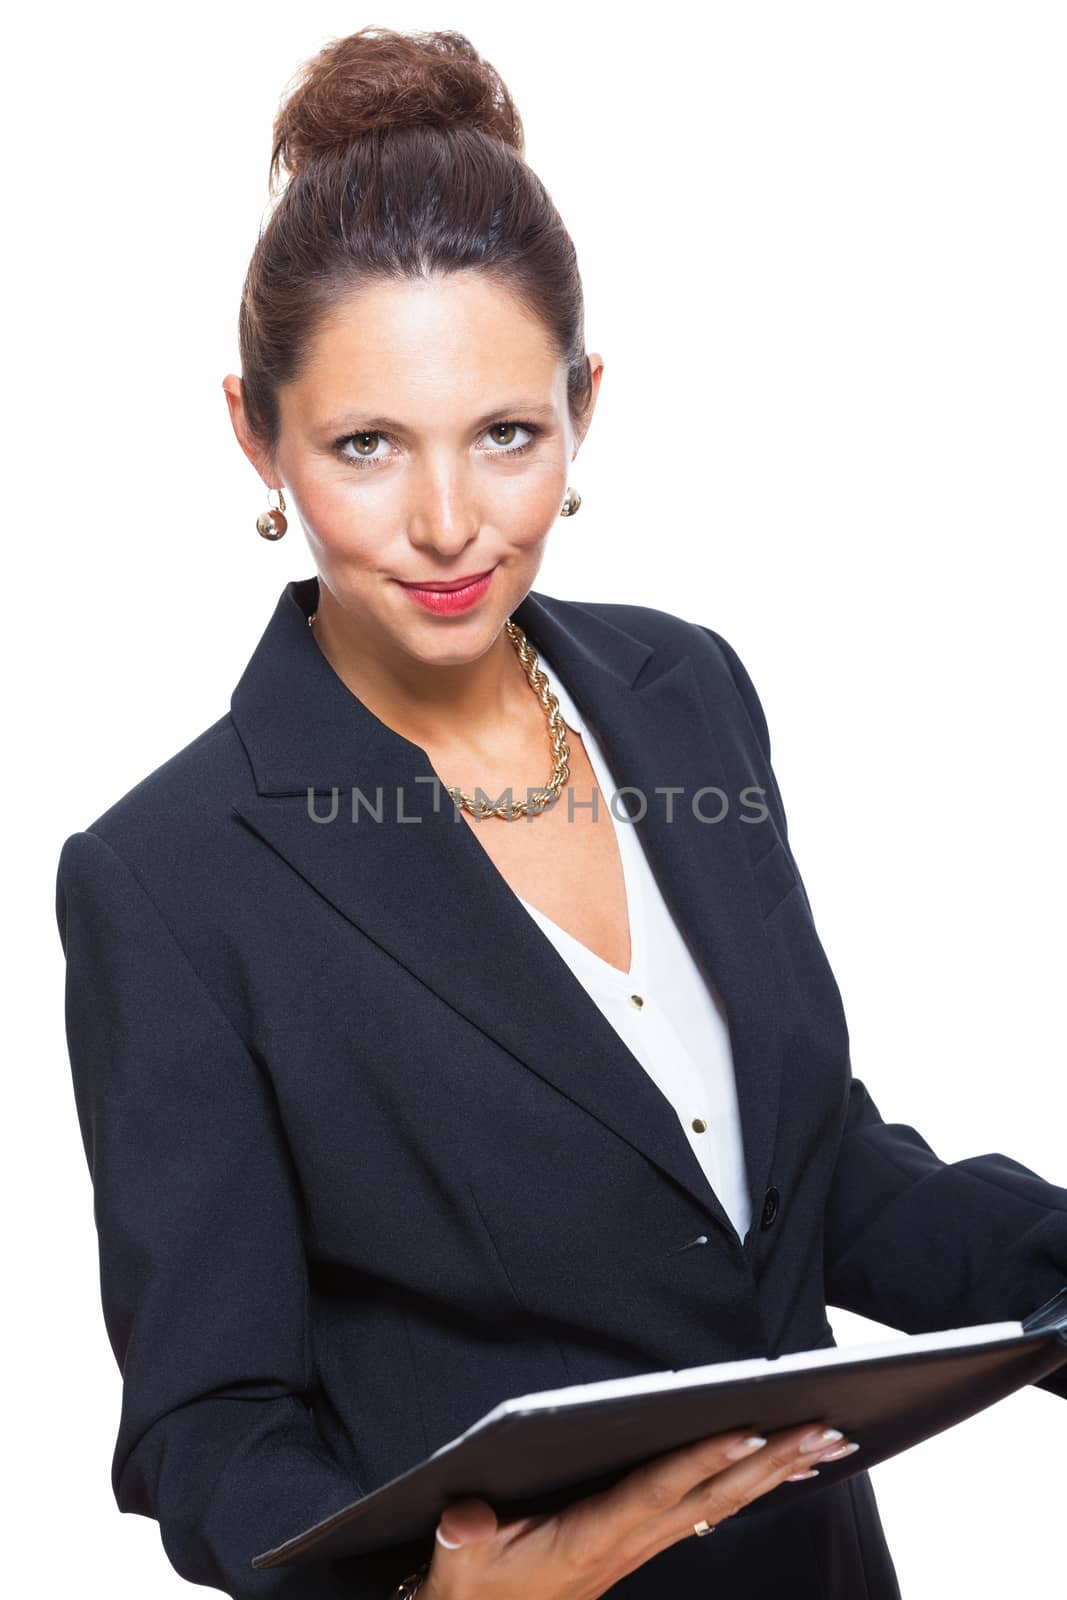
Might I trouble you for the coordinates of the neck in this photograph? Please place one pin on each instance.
(429, 702)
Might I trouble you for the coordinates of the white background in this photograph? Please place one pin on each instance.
(824, 254)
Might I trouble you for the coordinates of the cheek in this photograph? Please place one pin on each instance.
(337, 521)
(523, 505)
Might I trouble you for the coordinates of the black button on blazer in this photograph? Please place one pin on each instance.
(367, 1159)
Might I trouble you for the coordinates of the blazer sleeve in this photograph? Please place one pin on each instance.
(202, 1268)
(913, 1241)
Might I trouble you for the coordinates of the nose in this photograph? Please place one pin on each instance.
(442, 516)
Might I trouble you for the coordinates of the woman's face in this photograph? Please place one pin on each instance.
(427, 439)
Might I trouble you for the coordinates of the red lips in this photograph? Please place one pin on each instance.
(447, 599)
(445, 588)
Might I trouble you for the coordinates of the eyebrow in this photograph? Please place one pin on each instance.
(353, 421)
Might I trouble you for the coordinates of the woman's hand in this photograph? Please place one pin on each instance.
(579, 1553)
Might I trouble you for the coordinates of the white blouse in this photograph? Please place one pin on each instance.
(671, 1019)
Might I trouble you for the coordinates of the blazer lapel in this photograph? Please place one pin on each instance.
(419, 884)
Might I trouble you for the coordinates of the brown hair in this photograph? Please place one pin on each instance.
(404, 155)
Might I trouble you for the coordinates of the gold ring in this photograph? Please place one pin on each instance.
(701, 1528)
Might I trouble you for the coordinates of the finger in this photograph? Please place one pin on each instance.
(659, 1485)
(465, 1523)
(728, 1491)
(614, 1524)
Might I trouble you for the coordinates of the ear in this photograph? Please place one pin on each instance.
(596, 372)
(252, 448)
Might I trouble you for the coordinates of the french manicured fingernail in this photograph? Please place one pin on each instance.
(795, 1477)
(818, 1441)
(745, 1447)
(835, 1455)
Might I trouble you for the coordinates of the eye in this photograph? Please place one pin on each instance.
(508, 428)
(364, 445)
(361, 449)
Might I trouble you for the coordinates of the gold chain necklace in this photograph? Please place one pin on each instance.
(538, 799)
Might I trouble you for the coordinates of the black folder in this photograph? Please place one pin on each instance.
(540, 1452)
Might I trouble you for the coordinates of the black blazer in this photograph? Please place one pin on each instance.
(367, 1159)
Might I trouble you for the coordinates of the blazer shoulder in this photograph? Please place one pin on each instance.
(648, 623)
(712, 652)
(186, 794)
(658, 627)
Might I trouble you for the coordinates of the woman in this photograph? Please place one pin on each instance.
(390, 1118)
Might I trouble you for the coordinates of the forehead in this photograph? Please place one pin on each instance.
(409, 345)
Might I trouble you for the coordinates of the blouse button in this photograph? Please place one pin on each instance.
(699, 1125)
(637, 1001)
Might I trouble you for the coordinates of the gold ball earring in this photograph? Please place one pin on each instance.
(571, 503)
(271, 524)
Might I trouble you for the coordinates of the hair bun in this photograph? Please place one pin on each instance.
(377, 79)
